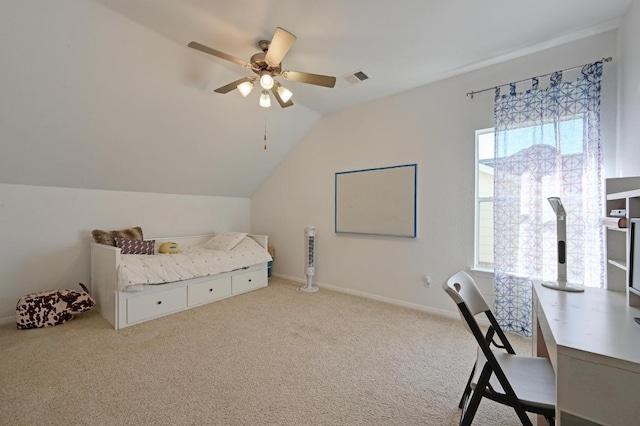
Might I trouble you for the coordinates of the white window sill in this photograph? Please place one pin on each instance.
(484, 273)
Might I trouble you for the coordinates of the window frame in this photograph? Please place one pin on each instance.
(477, 201)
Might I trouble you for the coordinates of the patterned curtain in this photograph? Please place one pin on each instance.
(547, 144)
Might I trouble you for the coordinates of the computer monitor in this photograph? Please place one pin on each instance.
(634, 257)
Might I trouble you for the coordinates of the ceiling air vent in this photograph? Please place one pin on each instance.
(355, 77)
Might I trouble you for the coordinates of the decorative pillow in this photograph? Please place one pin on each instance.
(169, 247)
(108, 237)
(225, 241)
(135, 246)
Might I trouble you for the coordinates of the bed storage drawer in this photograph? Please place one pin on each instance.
(249, 281)
(153, 305)
(208, 291)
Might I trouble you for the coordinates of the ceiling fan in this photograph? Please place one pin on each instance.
(268, 65)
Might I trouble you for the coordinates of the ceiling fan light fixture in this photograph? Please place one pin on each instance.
(265, 100)
(285, 94)
(267, 66)
(266, 80)
(245, 88)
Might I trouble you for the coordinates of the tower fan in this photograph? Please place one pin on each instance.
(310, 260)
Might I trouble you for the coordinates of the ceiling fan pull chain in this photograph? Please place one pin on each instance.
(265, 129)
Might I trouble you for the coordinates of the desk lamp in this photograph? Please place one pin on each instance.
(561, 221)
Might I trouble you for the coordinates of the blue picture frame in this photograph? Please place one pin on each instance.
(377, 201)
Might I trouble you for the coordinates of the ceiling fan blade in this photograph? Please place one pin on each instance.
(280, 44)
(305, 77)
(232, 86)
(282, 103)
(222, 55)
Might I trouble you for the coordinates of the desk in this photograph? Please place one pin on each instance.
(593, 344)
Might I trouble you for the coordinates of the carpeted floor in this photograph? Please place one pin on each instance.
(274, 356)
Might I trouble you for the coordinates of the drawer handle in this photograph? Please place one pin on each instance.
(159, 302)
(249, 279)
(210, 289)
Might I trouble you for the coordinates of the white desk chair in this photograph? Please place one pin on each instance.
(523, 382)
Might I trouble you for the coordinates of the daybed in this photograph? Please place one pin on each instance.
(131, 288)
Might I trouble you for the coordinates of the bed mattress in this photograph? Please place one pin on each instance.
(135, 272)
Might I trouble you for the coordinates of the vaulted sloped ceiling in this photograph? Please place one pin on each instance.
(105, 94)
(94, 100)
(401, 44)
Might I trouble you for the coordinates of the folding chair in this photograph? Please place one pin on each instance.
(525, 383)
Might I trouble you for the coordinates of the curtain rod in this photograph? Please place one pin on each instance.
(470, 94)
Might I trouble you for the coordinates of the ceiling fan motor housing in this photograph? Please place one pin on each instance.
(258, 64)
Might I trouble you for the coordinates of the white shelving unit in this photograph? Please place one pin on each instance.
(622, 193)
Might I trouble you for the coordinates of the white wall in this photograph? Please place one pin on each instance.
(629, 137)
(46, 231)
(434, 126)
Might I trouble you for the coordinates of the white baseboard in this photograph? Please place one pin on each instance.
(303, 281)
(389, 300)
(8, 320)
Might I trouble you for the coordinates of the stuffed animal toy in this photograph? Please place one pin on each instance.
(49, 308)
(169, 247)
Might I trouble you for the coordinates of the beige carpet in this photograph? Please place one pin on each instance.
(274, 356)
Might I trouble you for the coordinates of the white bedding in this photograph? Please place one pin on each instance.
(136, 271)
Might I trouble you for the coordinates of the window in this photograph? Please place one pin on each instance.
(521, 138)
(485, 147)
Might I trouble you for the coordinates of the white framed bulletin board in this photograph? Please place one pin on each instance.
(380, 201)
